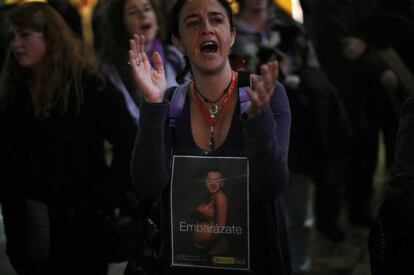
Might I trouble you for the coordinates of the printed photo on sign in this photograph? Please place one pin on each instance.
(210, 212)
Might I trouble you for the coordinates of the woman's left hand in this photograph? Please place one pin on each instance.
(263, 88)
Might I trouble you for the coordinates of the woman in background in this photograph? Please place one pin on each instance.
(55, 117)
(391, 236)
(212, 124)
(122, 20)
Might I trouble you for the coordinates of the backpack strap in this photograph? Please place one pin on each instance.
(244, 84)
(177, 103)
(179, 95)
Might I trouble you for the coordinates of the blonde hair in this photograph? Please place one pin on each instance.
(65, 60)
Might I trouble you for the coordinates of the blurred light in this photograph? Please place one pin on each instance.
(286, 5)
(292, 7)
(297, 12)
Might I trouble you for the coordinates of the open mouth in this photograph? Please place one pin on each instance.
(146, 27)
(209, 47)
(19, 55)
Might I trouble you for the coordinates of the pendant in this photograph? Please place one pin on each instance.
(213, 110)
(211, 140)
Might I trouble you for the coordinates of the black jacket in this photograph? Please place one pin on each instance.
(401, 193)
(391, 236)
(59, 160)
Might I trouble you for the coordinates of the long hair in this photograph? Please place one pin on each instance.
(65, 61)
(115, 38)
(4, 10)
(114, 47)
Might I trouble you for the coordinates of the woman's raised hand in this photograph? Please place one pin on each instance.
(263, 88)
(150, 80)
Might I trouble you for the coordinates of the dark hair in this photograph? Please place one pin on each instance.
(4, 10)
(113, 31)
(178, 6)
(115, 38)
(242, 4)
(175, 22)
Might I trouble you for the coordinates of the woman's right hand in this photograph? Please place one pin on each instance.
(150, 80)
(206, 209)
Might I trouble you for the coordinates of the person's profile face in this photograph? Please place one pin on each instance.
(140, 18)
(214, 182)
(29, 47)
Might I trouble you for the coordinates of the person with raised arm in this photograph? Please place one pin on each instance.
(213, 123)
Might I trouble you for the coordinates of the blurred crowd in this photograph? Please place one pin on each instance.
(72, 111)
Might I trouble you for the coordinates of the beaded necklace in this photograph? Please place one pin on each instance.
(213, 110)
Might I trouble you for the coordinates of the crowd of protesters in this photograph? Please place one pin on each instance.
(87, 146)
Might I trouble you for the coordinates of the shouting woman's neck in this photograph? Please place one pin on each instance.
(211, 86)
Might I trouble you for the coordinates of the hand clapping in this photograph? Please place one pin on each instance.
(263, 88)
(150, 80)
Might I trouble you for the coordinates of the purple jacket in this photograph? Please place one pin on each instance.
(265, 142)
